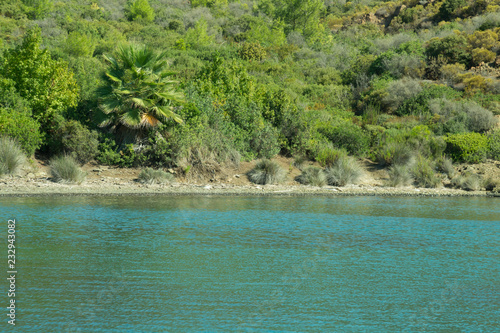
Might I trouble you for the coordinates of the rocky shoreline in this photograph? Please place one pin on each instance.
(19, 187)
(35, 180)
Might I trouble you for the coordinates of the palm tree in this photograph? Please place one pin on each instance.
(138, 94)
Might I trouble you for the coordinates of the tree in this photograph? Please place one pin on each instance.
(138, 93)
(46, 84)
(140, 10)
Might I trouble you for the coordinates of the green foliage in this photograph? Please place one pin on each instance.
(454, 48)
(139, 10)
(399, 175)
(23, 128)
(419, 104)
(45, 84)
(73, 139)
(449, 7)
(198, 36)
(64, 169)
(110, 154)
(494, 144)
(12, 157)
(467, 147)
(152, 176)
(267, 172)
(327, 155)
(79, 45)
(139, 92)
(312, 176)
(350, 137)
(252, 51)
(345, 170)
(424, 174)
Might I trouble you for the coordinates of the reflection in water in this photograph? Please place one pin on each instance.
(256, 264)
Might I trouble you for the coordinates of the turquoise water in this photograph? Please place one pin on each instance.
(251, 264)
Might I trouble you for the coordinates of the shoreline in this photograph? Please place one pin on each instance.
(37, 189)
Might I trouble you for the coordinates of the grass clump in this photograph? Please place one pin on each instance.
(312, 176)
(345, 170)
(491, 184)
(152, 176)
(424, 174)
(445, 165)
(469, 182)
(12, 157)
(267, 172)
(65, 169)
(399, 175)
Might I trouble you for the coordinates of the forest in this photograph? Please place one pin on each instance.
(413, 85)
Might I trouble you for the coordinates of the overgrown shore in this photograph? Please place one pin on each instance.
(36, 180)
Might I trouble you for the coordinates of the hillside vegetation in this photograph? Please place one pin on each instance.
(186, 84)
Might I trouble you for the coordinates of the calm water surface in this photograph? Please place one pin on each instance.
(249, 264)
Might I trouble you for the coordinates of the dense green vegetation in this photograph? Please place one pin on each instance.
(179, 84)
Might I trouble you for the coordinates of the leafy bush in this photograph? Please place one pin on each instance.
(346, 170)
(11, 156)
(482, 55)
(23, 128)
(467, 147)
(267, 172)
(312, 176)
(399, 175)
(328, 155)
(72, 138)
(494, 144)
(139, 10)
(349, 137)
(109, 154)
(65, 169)
(152, 176)
(424, 174)
(252, 51)
(400, 91)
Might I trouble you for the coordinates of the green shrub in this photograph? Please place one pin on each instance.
(265, 142)
(72, 138)
(328, 155)
(267, 172)
(424, 174)
(312, 176)
(109, 154)
(467, 147)
(23, 128)
(350, 137)
(139, 10)
(400, 91)
(252, 51)
(12, 157)
(494, 144)
(152, 176)
(65, 169)
(346, 170)
(394, 152)
(399, 175)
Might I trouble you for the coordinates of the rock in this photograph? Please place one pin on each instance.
(30, 175)
(208, 187)
(237, 176)
(172, 171)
